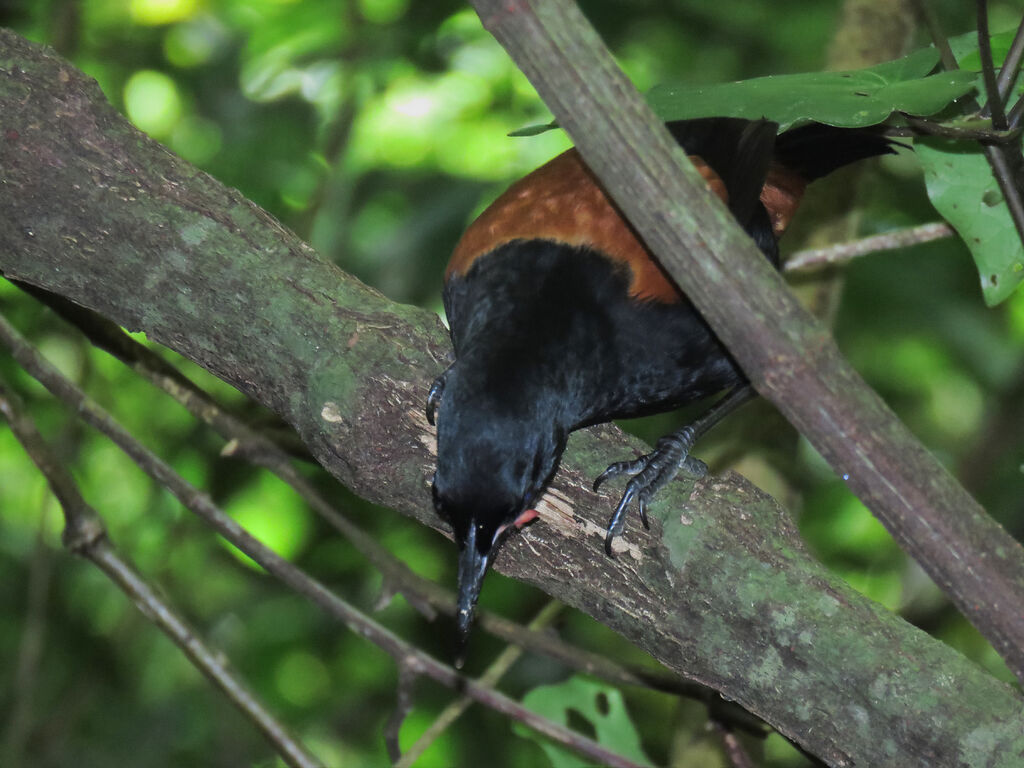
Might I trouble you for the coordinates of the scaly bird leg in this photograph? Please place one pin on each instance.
(653, 470)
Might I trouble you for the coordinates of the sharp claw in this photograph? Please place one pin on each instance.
(612, 471)
(649, 474)
(434, 397)
(621, 468)
(618, 522)
(600, 479)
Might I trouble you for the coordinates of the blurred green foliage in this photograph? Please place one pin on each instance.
(376, 129)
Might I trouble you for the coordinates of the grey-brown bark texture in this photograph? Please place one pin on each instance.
(720, 589)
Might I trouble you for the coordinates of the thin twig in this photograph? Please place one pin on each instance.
(423, 594)
(404, 700)
(1011, 65)
(1013, 116)
(491, 676)
(735, 752)
(19, 719)
(1007, 168)
(85, 535)
(919, 125)
(988, 69)
(814, 258)
(1006, 162)
(931, 21)
(200, 504)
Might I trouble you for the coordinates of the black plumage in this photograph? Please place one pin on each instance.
(561, 319)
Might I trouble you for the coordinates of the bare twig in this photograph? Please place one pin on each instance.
(814, 258)
(84, 534)
(735, 752)
(1011, 65)
(988, 69)
(404, 700)
(491, 676)
(19, 720)
(200, 503)
(976, 130)
(931, 21)
(1014, 115)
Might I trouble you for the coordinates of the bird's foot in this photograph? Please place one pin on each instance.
(649, 474)
(434, 396)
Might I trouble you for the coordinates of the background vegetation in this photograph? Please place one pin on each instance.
(376, 129)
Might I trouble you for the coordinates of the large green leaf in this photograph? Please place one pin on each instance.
(961, 187)
(849, 99)
(599, 705)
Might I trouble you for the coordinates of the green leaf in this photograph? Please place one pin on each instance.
(533, 130)
(851, 99)
(965, 51)
(599, 705)
(962, 189)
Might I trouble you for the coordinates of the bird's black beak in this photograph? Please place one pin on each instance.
(472, 569)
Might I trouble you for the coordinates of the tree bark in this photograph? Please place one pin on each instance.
(720, 590)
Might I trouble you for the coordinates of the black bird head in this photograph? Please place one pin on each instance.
(493, 462)
(480, 529)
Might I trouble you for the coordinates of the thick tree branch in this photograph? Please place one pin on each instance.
(720, 590)
(790, 358)
(426, 596)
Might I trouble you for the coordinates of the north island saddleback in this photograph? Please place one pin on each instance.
(561, 319)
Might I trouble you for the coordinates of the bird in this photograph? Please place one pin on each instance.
(561, 318)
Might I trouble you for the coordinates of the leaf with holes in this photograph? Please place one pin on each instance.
(598, 708)
(965, 51)
(962, 189)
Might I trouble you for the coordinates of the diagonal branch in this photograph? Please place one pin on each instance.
(425, 595)
(1011, 65)
(994, 104)
(834, 255)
